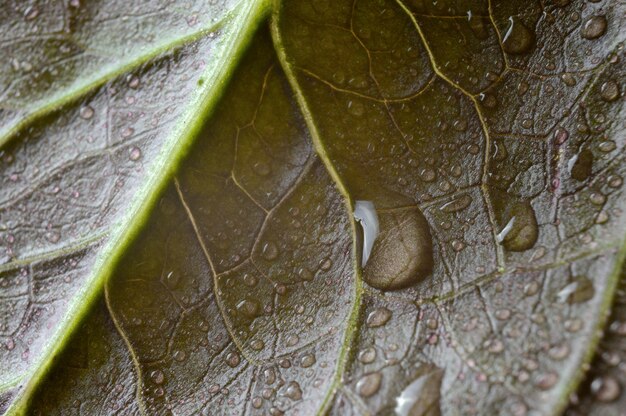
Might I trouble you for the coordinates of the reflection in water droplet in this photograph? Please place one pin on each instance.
(365, 214)
(422, 395)
(594, 27)
(518, 39)
(378, 317)
(580, 166)
(369, 384)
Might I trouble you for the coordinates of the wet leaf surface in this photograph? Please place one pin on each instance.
(487, 137)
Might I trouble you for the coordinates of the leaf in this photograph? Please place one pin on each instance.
(487, 136)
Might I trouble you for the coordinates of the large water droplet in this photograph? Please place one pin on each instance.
(606, 389)
(365, 214)
(457, 204)
(594, 27)
(518, 39)
(294, 392)
(403, 255)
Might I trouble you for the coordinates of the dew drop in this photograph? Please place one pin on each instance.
(233, 359)
(578, 291)
(249, 308)
(421, 396)
(157, 376)
(560, 135)
(594, 27)
(580, 166)
(356, 108)
(133, 81)
(307, 360)
(607, 146)
(457, 204)
(609, 91)
(257, 344)
(547, 381)
(31, 13)
(378, 317)
(261, 168)
(53, 236)
(86, 112)
(270, 251)
(367, 356)
(134, 153)
(518, 39)
(369, 384)
(294, 392)
(605, 389)
(180, 355)
(517, 218)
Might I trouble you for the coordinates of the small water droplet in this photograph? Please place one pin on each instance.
(180, 355)
(249, 308)
(53, 236)
(270, 251)
(157, 376)
(262, 168)
(31, 13)
(86, 112)
(547, 381)
(294, 392)
(127, 132)
(560, 135)
(369, 384)
(594, 27)
(609, 91)
(578, 291)
(257, 344)
(457, 204)
(607, 146)
(580, 166)
(356, 108)
(378, 317)
(518, 39)
(307, 360)
(517, 218)
(233, 359)
(134, 153)
(368, 355)
(133, 81)
(606, 389)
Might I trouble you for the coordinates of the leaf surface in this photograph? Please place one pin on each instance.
(488, 136)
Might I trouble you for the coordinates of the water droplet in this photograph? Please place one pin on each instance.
(369, 384)
(606, 389)
(250, 280)
(422, 395)
(307, 360)
(233, 359)
(578, 291)
(607, 146)
(580, 166)
(249, 308)
(180, 355)
(609, 91)
(133, 81)
(568, 79)
(257, 402)
(378, 317)
(53, 236)
(547, 381)
(457, 204)
(559, 352)
(292, 340)
(408, 232)
(518, 39)
(365, 214)
(257, 344)
(262, 168)
(560, 135)
(368, 355)
(157, 376)
(531, 288)
(270, 251)
(517, 218)
(134, 153)
(503, 314)
(127, 132)
(597, 198)
(86, 112)
(294, 392)
(31, 13)
(356, 108)
(594, 27)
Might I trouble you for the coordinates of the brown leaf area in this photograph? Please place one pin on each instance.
(489, 137)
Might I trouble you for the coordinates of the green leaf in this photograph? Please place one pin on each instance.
(176, 244)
